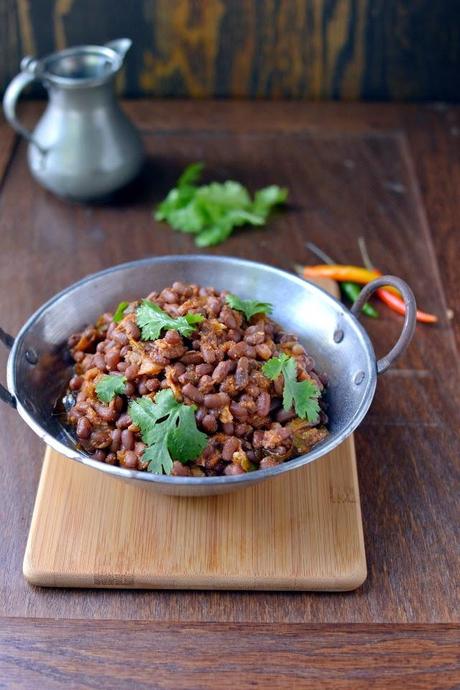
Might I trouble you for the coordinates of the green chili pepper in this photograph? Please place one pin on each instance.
(352, 290)
(349, 289)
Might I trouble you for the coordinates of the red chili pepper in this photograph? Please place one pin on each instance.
(397, 304)
(389, 295)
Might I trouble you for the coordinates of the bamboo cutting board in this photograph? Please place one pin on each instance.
(300, 531)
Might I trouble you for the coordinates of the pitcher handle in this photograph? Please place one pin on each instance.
(410, 316)
(12, 93)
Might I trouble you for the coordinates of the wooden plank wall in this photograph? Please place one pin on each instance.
(316, 49)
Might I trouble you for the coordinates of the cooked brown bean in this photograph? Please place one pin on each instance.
(180, 470)
(216, 400)
(118, 403)
(178, 369)
(242, 430)
(206, 384)
(106, 413)
(192, 358)
(263, 351)
(130, 389)
(169, 296)
(253, 391)
(242, 349)
(75, 383)
(110, 458)
(234, 335)
(142, 388)
(84, 428)
(120, 337)
(267, 462)
(279, 385)
(123, 421)
(297, 349)
(116, 440)
(172, 337)
(200, 414)
(214, 305)
(222, 370)
(209, 353)
(131, 372)
(238, 411)
(99, 455)
(132, 329)
(233, 469)
(228, 428)
(231, 445)
(242, 373)
(285, 416)
(254, 337)
(152, 385)
(139, 448)
(127, 439)
(263, 404)
(99, 361)
(203, 369)
(101, 438)
(229, 317)
(209, 423)
(193, 393)
(130, 460)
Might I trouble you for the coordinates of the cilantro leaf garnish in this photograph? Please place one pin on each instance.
(249, 307)
(211, 212)
(169, 430)
(110, 385)
(151, 319)
(119, 312)
(302, 394)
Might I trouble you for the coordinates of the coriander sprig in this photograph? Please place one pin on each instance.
(169, 430)
(303, 394)
(110, 385)
(248, 307)
(212, 211)
(151, 319)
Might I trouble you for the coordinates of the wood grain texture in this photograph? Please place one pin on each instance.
(114, 655)
(408, 446)
(7, 143)
(316, 49)
(299, 532)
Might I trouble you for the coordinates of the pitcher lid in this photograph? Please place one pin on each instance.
(78, 67)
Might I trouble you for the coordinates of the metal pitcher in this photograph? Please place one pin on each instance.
(84, 147)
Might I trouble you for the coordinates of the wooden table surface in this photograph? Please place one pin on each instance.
(390, 173)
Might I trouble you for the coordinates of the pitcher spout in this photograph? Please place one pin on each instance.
(120, 46)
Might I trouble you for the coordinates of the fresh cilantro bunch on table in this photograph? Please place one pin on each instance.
(151, 319)
(302, 394)
(169, 430)
(212, 211)
(110, 385)
(248, 307)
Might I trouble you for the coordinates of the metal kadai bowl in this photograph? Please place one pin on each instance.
(39, 365)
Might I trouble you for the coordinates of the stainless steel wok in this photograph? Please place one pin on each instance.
(39, 366)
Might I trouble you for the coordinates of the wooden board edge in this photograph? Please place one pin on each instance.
(36, 576)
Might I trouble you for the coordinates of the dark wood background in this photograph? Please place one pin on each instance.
(316, 49)
(389, 172)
